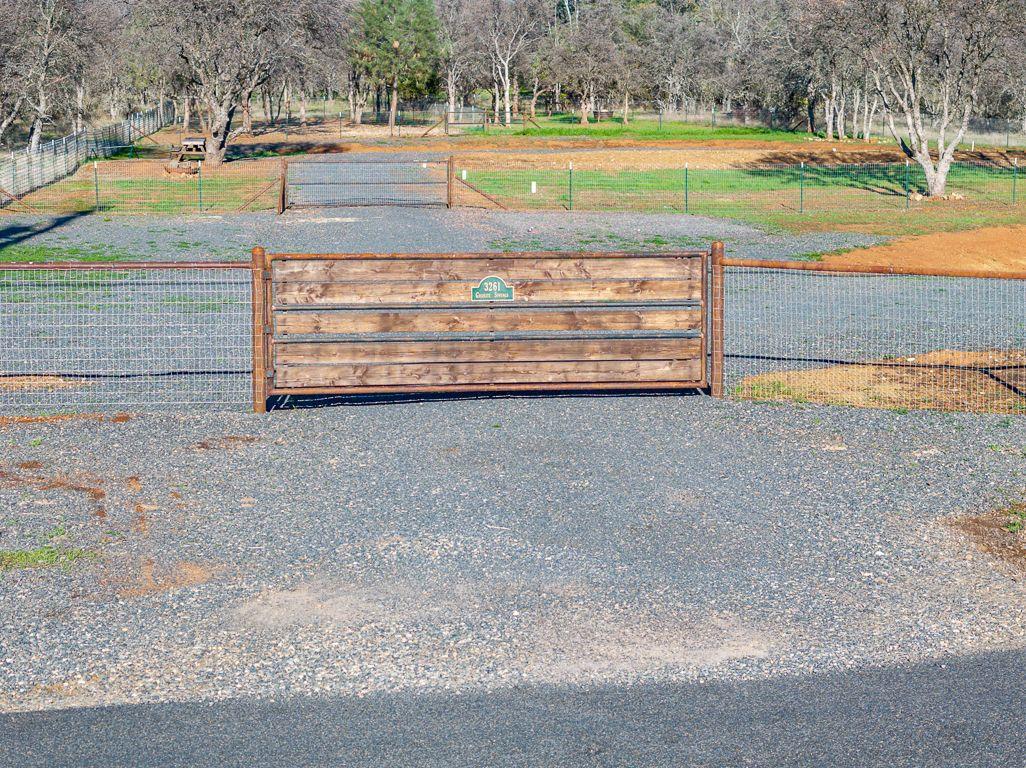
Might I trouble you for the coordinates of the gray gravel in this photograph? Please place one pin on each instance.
(370, 229)
(501, 553)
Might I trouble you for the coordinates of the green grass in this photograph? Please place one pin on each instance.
(603, 241)
(647, 129)
(22, 253)
(869, 198)
(49, 554)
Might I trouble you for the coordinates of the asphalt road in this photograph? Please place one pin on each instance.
(959, 714)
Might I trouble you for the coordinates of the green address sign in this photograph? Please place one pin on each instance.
(492, 288)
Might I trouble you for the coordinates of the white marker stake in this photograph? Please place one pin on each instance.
(464, 174)
(534, 187)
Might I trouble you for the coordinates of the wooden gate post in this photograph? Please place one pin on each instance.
(448, 182)
(282, 176)
(259, 275)
(716, 321)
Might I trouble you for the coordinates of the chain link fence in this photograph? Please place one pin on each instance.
(77, 337)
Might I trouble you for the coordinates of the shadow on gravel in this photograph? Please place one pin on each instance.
(293, 402)
(963, 713)
(12, 233)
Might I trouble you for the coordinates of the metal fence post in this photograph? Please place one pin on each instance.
(1015, 181)
(571, 186)
(801, 188)
(908, 191)
(199, 182)
(687, 202)
(96, 185)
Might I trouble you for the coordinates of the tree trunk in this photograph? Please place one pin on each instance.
(626, 106)
(450, 89)
(220, 132)
(247, 113)
(507, 105)
(584, 109)
(35, 134)
(302, 106)
(393, 104)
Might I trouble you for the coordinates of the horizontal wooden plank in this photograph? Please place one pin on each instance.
(457, 255)
(441, 270)
(359, 352)
(486, 319)
(488, 373)
(595, 386)
(526, 291)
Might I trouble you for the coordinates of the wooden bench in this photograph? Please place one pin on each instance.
(349, 324)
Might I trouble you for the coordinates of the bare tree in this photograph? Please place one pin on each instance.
(226, 50)
(510, 26)
(52, 53)
(456, 45)
(14, 61)
(931, 57)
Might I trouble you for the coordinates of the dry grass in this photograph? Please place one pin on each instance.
(943, 380)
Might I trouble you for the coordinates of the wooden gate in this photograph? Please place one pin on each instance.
(350, 324)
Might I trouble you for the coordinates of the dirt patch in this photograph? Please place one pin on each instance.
(151, 579)
(88, 485)
(990, 533)
(309, 604)
(225, 443)
(582, 643)
(58, 418)
(993, 250)
(39, 383)
(993, 381)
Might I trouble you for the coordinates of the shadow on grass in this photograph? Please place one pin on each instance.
(957, 713)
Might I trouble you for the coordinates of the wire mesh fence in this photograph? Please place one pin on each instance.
(330, 182)
(731, 192)
(26, 170)
(108, 337)
(80, 337)
(874, 340)
(143, 186)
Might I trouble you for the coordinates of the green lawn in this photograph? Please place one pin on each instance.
(641, 129)
(784, 197)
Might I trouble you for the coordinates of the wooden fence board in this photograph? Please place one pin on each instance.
(569, 372)
(418, 292)
(398, 269)
(362, 323)
(485, 319)
(534, 350)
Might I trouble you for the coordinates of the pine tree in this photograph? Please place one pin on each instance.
(397, 41)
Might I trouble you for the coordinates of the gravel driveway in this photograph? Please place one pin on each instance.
(373, 229)
(658, 580)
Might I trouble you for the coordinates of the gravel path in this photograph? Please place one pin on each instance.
(484, 549)
(369, 229)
